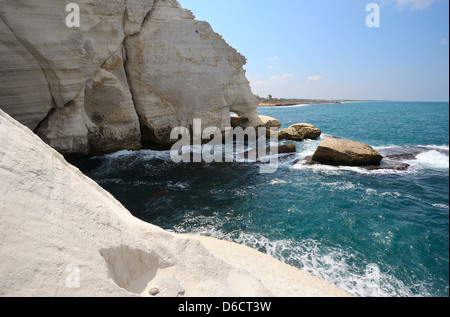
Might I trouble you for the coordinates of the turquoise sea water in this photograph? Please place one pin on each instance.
(371, 233)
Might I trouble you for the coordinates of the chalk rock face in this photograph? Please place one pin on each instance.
(101, 119)
(180, 70)
(132, 71)
(62, 235)
(68, 56)
(27, 100)
(348, 153)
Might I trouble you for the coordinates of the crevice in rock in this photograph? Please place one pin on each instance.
(49, 114)
(144, 129)
(132, 269)
(126, 18)
(133, 98)
(127, 75)
(148, 15)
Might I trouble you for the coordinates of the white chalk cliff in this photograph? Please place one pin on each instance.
(61, 234)
(132, 71)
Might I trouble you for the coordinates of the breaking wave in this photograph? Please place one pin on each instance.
(345, 269)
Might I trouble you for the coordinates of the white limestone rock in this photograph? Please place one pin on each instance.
(28, 100)
(66, 129)
(109, 105)
(136, 12)
(179, 70)
(68, 56)
(93, 111)
(100, 120)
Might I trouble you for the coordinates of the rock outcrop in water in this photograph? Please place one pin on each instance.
(263, 121)
(300, 132)
(347, 153)
(307, 131)
(132, 71)
(63, 235)
(290, 134)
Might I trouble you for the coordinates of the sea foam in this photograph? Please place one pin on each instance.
(433, 159)
(332, 264)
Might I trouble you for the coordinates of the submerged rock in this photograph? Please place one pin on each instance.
(345, 152)
(281, 149)
(287, 148)
(386, 165)
(394, 167)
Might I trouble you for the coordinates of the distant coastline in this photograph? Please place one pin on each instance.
(295, 102)
(282, 102)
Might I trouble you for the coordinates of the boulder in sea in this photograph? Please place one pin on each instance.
(262, 122)
(345, 152)
(290, 134)
(300, 132)
(256, 153)
(269, 122)
(287, 149)
(308, 131)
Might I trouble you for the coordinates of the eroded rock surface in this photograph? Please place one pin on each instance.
(134, 70)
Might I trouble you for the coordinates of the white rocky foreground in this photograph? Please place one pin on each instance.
(56, 223)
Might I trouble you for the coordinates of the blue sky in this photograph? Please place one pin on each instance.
(323, 48)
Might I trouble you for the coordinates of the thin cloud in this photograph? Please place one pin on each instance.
(282, 77)
(444, 42)
(414, 4)
(273, 58)
(271, 68)
(314, 78)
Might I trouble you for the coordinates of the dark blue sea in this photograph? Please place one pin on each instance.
(371, 233)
